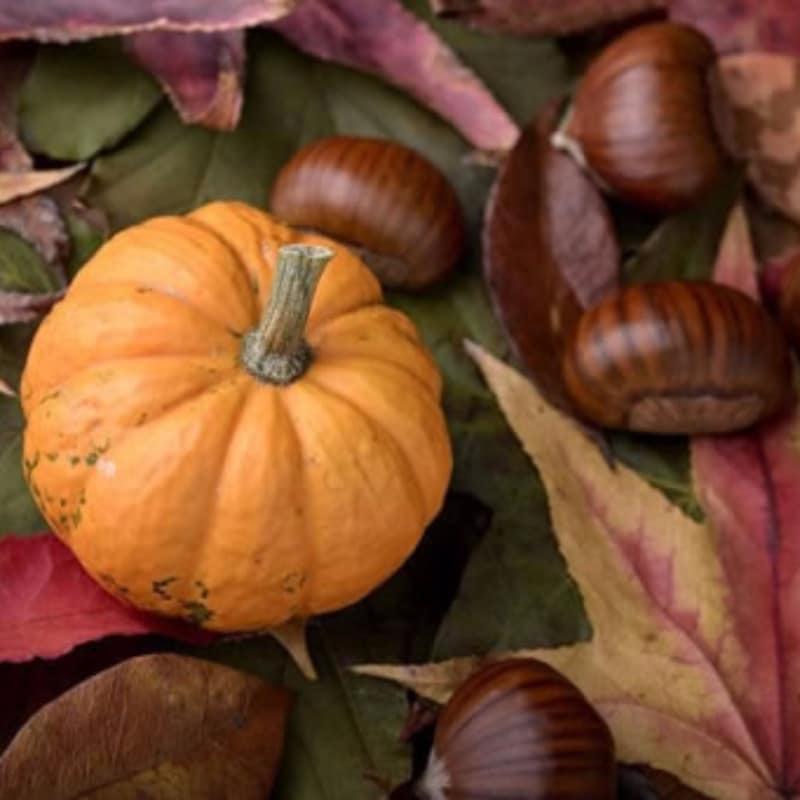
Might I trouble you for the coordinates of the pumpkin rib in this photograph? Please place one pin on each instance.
(312, 556)
(207, 540)
(396, 446)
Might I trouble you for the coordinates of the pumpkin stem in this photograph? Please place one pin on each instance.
(277, 352)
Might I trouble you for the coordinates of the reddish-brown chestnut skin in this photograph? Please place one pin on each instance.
(642, 117)
(518, 729)
(677, 357)
(385, 199)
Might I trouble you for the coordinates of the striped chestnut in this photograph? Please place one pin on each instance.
(380, 198)
(517, 729)
(642, 121)
(677, 357)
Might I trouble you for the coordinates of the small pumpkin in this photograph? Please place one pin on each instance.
(200, 464)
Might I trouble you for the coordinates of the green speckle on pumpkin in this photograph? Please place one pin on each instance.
(51, 456)
(75, 460)
(197, 613)
(203, 589)
(30, 465)
(160, 587)
(91, 459)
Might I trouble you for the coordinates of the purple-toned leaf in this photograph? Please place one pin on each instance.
(72, 20)
(549, 250)
(24, 307)
(50, 605)
(201, 72)
(543, 17)
(737, 26)
(381, 37)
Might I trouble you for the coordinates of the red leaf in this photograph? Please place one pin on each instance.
(50, 604)
(201, 72)
(71, 20)
(549, 250)
(537, 17)
(380, 36)
(737, 26)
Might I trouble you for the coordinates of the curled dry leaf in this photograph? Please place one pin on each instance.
(544, 17)
(21, 184)
(743, 25)
(736, 264)
(549, 250)
(75, 20)
(201, 72)
(157, 726)
(50, 605)
(759, 122)
(383, 38)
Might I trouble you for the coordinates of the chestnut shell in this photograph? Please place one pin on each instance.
(518, 729)
(677, 357)
(386, 200)
(642, 117)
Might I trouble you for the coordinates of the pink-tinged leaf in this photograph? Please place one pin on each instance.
(381, 37)
(38, 220)
(21, 184)
(737, 26)
(544, 17)
(758, 117)
(6, 389)
(74, 20)
(201, 72)
(50, 604)
(24, 307)
(736, 264)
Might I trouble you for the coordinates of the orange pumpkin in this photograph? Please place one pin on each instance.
(183, 477)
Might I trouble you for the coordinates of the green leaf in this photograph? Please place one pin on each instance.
(515, 591)
(18, 512)
(84, 239)
(22, 269)
(291, 99)
(685, 245)
(663, 462)
(81, 99)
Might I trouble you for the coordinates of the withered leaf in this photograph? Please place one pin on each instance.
(737, 26)
(384, 38)
(201, 72)
(549, 250)
(156, 726)
(544, 17)
(759, 121)
(20, 184)
(74, 20)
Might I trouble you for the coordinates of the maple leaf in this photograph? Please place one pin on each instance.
(695, 656)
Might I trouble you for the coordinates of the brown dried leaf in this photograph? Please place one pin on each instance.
(22, 184)
(758, 116)
(382, 37)
(201, 72)
(69, 20)
(549, 250)
(153, 726)
(543, 17)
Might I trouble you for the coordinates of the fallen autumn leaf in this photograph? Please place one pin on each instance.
(157, 726)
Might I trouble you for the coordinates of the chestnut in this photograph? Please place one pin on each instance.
(677, 357)
(383, 199)
(641, 118)
(517, 729)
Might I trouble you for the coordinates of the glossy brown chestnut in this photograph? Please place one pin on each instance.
(518, 729)
(677, 357)
(379, 197)
(642, 120)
